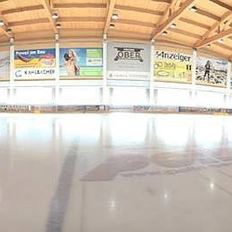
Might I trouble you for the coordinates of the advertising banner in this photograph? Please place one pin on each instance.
(128, 61)
(34, 64)
(86, 63)
(211, 71)
(172, 67)
(4, 65)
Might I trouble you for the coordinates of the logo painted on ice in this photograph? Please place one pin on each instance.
(128, 54)
(160, 164)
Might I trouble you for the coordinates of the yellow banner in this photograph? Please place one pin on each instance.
(172, 67)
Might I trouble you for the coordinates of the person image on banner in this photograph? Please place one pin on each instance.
(70, 61)
(207, 70)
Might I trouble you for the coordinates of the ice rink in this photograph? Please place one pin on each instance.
(115, 172)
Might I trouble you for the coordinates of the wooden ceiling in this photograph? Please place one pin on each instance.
(201, 24)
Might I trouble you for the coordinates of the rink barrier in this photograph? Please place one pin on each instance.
(109, 108)
(15, 108)
(206, 110)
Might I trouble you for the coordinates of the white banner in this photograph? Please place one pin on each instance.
(32, 73)
(211, 71)
(128, 61)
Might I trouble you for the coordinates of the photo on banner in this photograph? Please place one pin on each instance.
(211, 72)
(4, 65)
(81, 63)
(172, 67)
(127, 62)
(36, 64)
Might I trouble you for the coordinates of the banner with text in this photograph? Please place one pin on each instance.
(4, 66)
(128, 61)
(172, 67)
(34, 64)
(78, 63)
(211, 71)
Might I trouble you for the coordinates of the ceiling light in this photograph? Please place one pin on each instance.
(164, 33)
(112, 26)
(193, 9)
(58, 25)
(55, 15)
(115, 17)
(2, 23)
(12, 40)
(221, 41)
(56, 36)
(173, 25)
(8, 30)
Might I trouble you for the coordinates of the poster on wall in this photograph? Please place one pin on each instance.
(172, 67)
(34, 64)
(81, 63)
(211, 71)
(4, 66)
(128, 61)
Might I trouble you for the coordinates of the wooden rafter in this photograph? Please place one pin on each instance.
(226, 17)
(22, 9)
(169, 10)
(221, 25)
(195, 23)
(139, 10)
(136, 22)
(207, 14)
(48, 9)
(185, 33)
(28, 22)
(5, 32)
(216, 37)
(224, 46)
(81, 19)
(163, 1)
(79, 5)
(110, 10)
(4, 28)
(222, 4)
(171, 18)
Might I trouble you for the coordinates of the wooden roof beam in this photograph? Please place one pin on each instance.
(110, 10)
(135, 23)
(195, 23)
(22, 9)
(81, 19)
(79, 5)
(222, 4)
(207, 14)
(214, 38)
(186, 33)
(28, 22)
(224, 46)
(162, 1)
(139, 10)
(48, 9)
(171, 18)
(169, 10)
(4, 28)
(215, 26)
(221, 25)
(9, 35)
